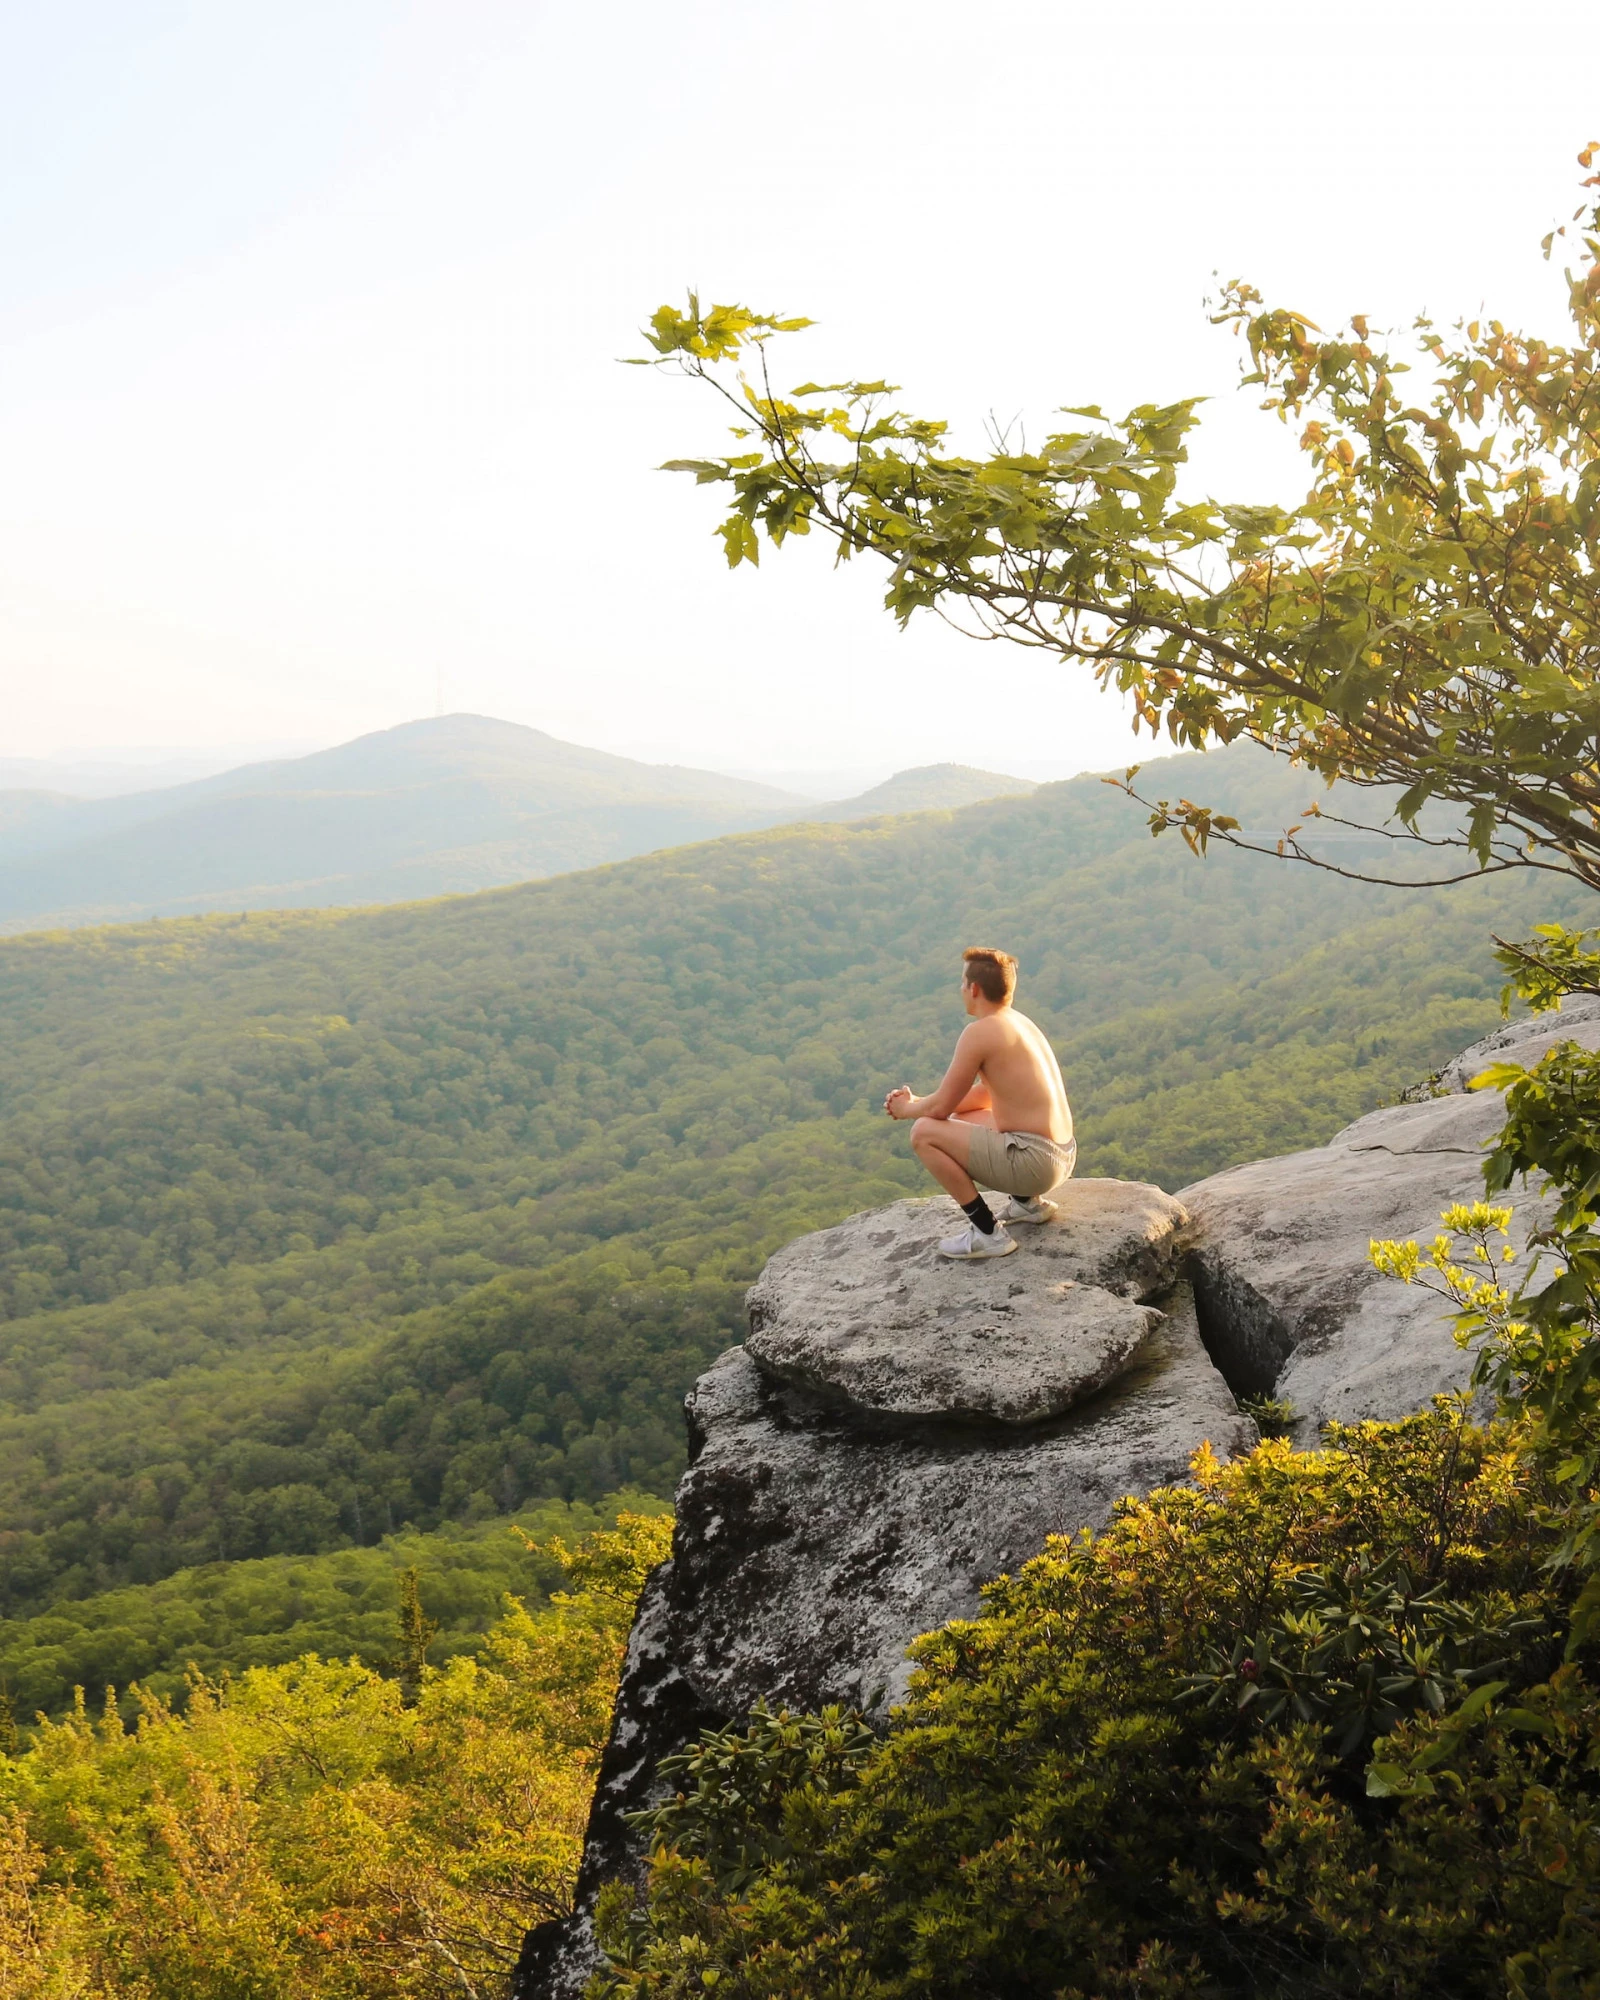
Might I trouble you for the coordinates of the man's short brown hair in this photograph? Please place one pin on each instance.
(993, 973)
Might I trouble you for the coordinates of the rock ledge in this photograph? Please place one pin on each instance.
(869, 1316)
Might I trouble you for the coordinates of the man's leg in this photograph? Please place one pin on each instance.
(942, 1145)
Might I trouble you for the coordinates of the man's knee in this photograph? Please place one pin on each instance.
(926, 1133)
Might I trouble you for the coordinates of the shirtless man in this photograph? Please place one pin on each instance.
(1000, 1119)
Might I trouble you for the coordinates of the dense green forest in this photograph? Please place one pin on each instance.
(317, 1227)
(227, 1617)
(322, 1828)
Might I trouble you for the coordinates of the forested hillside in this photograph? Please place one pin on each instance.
(225, 1617)
(313, 1227)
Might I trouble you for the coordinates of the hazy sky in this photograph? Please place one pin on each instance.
(309, 315)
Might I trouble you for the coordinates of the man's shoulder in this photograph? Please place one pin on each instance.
(1007, 1021)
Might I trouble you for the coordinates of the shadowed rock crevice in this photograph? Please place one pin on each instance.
(1247, 1340)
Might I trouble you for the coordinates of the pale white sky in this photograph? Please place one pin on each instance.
(309, 411)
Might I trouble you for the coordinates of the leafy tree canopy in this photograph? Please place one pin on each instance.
(1427, 617)
(150, 1640)
(316, 1828)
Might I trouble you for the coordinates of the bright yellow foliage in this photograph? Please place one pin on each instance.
(301, 1833)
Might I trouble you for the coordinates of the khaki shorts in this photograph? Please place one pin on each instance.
(1020, 1163)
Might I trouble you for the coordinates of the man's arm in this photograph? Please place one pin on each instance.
(962, 1089)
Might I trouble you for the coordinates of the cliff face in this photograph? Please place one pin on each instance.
(898, 1430)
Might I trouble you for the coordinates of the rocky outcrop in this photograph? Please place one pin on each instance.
(1525, 1041)
(898, 1431)
(813, 1549)
(1289, 1302)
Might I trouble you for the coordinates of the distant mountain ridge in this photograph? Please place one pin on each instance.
(446, 805)
(928, 788)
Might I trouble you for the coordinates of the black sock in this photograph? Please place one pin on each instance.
(978, 1214)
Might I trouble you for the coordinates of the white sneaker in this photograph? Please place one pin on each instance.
(1035, 1209)
(972, 1243)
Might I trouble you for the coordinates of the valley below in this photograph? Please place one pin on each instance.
(317, 1229)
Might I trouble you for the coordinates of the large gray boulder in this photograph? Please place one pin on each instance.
(1289, 1300)
(869, 1316)
(812, 1549)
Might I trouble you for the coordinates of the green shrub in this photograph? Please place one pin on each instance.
(1274, 1416)
(1086, 1793)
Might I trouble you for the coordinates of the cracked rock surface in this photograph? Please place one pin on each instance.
(868, 1314)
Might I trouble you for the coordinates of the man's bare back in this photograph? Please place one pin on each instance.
(999, 1119)
(1016, 1075)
